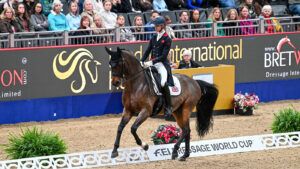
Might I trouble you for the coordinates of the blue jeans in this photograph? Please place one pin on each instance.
(295, 9)
(227, 3)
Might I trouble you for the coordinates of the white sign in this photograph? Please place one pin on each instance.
(209, 78)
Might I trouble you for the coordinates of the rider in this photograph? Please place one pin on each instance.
(160, 45)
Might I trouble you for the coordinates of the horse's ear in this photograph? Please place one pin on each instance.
(108, 51)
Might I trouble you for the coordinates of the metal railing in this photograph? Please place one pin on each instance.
(188, 30)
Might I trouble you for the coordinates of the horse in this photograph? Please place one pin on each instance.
(136, 97)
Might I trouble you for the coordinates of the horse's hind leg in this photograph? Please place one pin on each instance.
(143, 115)
(125, 119)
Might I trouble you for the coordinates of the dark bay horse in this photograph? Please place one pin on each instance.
(126, 70)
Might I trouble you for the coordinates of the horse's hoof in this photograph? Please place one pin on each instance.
(174, 156)
(182, 158)
(145, 146)
(114, 154)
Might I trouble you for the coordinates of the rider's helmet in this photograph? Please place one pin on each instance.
(159, 21)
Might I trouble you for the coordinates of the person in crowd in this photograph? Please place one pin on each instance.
(231, 24)
(247, 26)
(38, 19)
(29, 5)
(169, 29)
(121, 6)
(271, 23)
(215, 16)
(262, 2)
(57, 20)
(175, 4)
(73, 16)
(254, 8)
(197, 26)
(194, 4)
(108, 18)
(227, 3)
(11, 3)
(98, 6)
(142, 5)
(47, 6)
(88, 10)
(160, 5)
(138, 28)
(187, 61)
(125, 33)
(294, 7)
(183, 26)
(160, 45)
(84, 30)
(99, 29)
(8, 23)
(149, 27)
(23, 20)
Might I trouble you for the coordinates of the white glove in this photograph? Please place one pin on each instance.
(147, 64)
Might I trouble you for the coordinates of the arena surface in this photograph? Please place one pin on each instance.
(98, 133)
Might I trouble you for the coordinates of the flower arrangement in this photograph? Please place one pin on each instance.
(166, 134)
(245, 101)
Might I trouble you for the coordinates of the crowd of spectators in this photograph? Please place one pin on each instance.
(87, 15)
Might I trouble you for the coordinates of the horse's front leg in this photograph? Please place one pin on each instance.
(143, 115)
(125, 119)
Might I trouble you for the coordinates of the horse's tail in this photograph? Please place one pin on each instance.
(205, 107)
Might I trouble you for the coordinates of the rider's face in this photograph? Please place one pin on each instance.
(158, 28)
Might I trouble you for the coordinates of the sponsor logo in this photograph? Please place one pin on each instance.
(10, 82)
(80, 59)
(284, 55)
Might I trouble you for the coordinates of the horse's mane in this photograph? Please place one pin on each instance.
(131, 56)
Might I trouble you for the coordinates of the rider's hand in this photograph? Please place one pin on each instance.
(147, 64)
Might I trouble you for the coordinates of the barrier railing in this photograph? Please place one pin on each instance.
(188, 30)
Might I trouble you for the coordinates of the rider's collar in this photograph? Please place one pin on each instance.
(160, 34)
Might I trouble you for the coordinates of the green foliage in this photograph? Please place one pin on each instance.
(33, 143)
(287, 120)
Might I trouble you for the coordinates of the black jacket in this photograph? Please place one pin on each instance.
(183, 65)
(159, 53)
(6, 26)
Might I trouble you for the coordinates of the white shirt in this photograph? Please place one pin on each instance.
(160, 34)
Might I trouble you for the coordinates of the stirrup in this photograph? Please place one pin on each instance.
(168, 113)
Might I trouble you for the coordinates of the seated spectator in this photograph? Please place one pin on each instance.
(142, 5)
(84, 30)
(7, 21)
(231, 19)
(57, 20)
(181, 29)
(88, 10)
(38, 19)
(149, 27)
(271, 23)
(168, 28)
(227, 3)
(187, 61)
(121, 6)
(253, 7)
(194, 4)
(125, 33)
(215, 16)
(175, 4)
(160, 5)
(11, 3)
(294, 7)
(29, 5)
(138, 28)
(108, 18)
(262, 2)
(47, 6)
(73, 16)
(99, 29)
(23, 19)
(246, 25)
(197, 26)
(98, 6)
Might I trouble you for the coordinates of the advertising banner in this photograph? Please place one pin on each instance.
(81, 70)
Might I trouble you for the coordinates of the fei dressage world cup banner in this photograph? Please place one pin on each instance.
(81, 70)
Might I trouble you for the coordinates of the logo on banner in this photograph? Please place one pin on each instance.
(284, 55)
(79, 61)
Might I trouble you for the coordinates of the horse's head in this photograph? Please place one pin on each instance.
(117, 66)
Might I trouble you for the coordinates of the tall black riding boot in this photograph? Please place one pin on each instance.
(168, 104)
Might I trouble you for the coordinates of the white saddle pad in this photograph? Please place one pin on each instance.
(175, 90)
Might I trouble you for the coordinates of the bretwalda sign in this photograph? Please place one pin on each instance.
(82, 70)
(160, 152)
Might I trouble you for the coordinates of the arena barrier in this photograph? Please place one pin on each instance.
(36, 84)
(157, 152)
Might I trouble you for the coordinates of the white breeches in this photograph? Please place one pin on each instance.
(163, 73)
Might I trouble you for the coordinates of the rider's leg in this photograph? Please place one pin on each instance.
(165, 89)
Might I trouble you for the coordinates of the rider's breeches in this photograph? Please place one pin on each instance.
(163, 73)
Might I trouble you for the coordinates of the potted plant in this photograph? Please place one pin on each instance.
(245, 103)
(166, 134)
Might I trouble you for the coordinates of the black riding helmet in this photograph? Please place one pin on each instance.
(159, 21)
